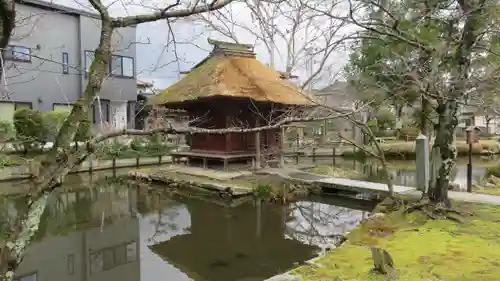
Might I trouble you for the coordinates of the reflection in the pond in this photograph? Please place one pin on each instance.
(90, 234)
(118, 232)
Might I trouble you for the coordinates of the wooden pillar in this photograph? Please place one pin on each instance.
(228, 135)
(257, 150)
(257, 146)
(282, 154)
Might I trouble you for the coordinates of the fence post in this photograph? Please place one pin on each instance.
(333, 155)
(114, 166)
(297, 158)
(91, 162)
(422, 163)
(314, 154)
(159, 159)
(137, 161)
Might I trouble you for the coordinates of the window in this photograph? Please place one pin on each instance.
(71, 264)
(19, 105)
(101, 113)
(17, 53)
(108, 259)
(128, 66)
(62, 107)
(111, 257)
(131, 112)
(116, 66)
(65, 63)
(31, 277)
(7, 110)
(120, 255)
(96, 262)
(131, 251)
(122, 66)
(89, 57)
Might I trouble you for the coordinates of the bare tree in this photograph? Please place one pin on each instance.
(297, 39)
(449, 40)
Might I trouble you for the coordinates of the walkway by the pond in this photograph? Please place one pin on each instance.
(377, 188)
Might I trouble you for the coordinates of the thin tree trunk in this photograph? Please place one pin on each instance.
(8, 19)
(25, 228)
(445, 141)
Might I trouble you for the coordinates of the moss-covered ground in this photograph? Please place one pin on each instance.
(437, 250)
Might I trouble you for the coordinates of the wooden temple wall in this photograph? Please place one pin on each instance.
(234, 116)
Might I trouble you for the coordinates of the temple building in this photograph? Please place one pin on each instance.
(230, 88)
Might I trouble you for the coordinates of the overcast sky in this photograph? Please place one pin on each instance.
(157, 63)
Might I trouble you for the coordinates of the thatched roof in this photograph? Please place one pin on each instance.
(232, 70)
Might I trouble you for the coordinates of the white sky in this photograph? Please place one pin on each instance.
(155, 63)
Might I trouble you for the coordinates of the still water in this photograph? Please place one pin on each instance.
(403, 172)
(98, 230)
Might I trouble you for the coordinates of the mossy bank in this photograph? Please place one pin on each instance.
(438, 250)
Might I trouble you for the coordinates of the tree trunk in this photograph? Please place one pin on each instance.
(488, 120)
(445, 142)
(8, 19)
(25, 227)
(424, 122)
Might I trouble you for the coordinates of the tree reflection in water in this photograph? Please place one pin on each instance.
(320, 224)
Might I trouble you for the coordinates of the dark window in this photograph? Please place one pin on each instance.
(131, 251)
(102, 110)
(31, 277)
(131, 112)
(71, 264)
(17, 53)
(122, 66)
(19, 105)
(65, 63)
(96, 262)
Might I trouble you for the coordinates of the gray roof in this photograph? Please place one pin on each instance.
(339, 94)
(56, 7)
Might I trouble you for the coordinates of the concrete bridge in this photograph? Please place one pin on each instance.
(372, 187)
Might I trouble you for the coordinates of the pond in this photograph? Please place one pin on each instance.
(403, 172)
(106, 230)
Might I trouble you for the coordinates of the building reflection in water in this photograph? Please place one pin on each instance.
(94, 234)
(87, 235)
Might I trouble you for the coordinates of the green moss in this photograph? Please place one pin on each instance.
(422, 250)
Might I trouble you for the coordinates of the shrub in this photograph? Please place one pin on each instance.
(410, 131)
(29, 126)
(156, 142)
(492, 171)
(7, 131)
(84, 132)
(52, 121)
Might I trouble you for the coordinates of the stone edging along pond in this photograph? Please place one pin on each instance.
(22, 171)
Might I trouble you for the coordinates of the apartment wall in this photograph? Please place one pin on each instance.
(114, 88)
(41, 81)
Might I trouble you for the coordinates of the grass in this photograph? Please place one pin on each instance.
(438, 250)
